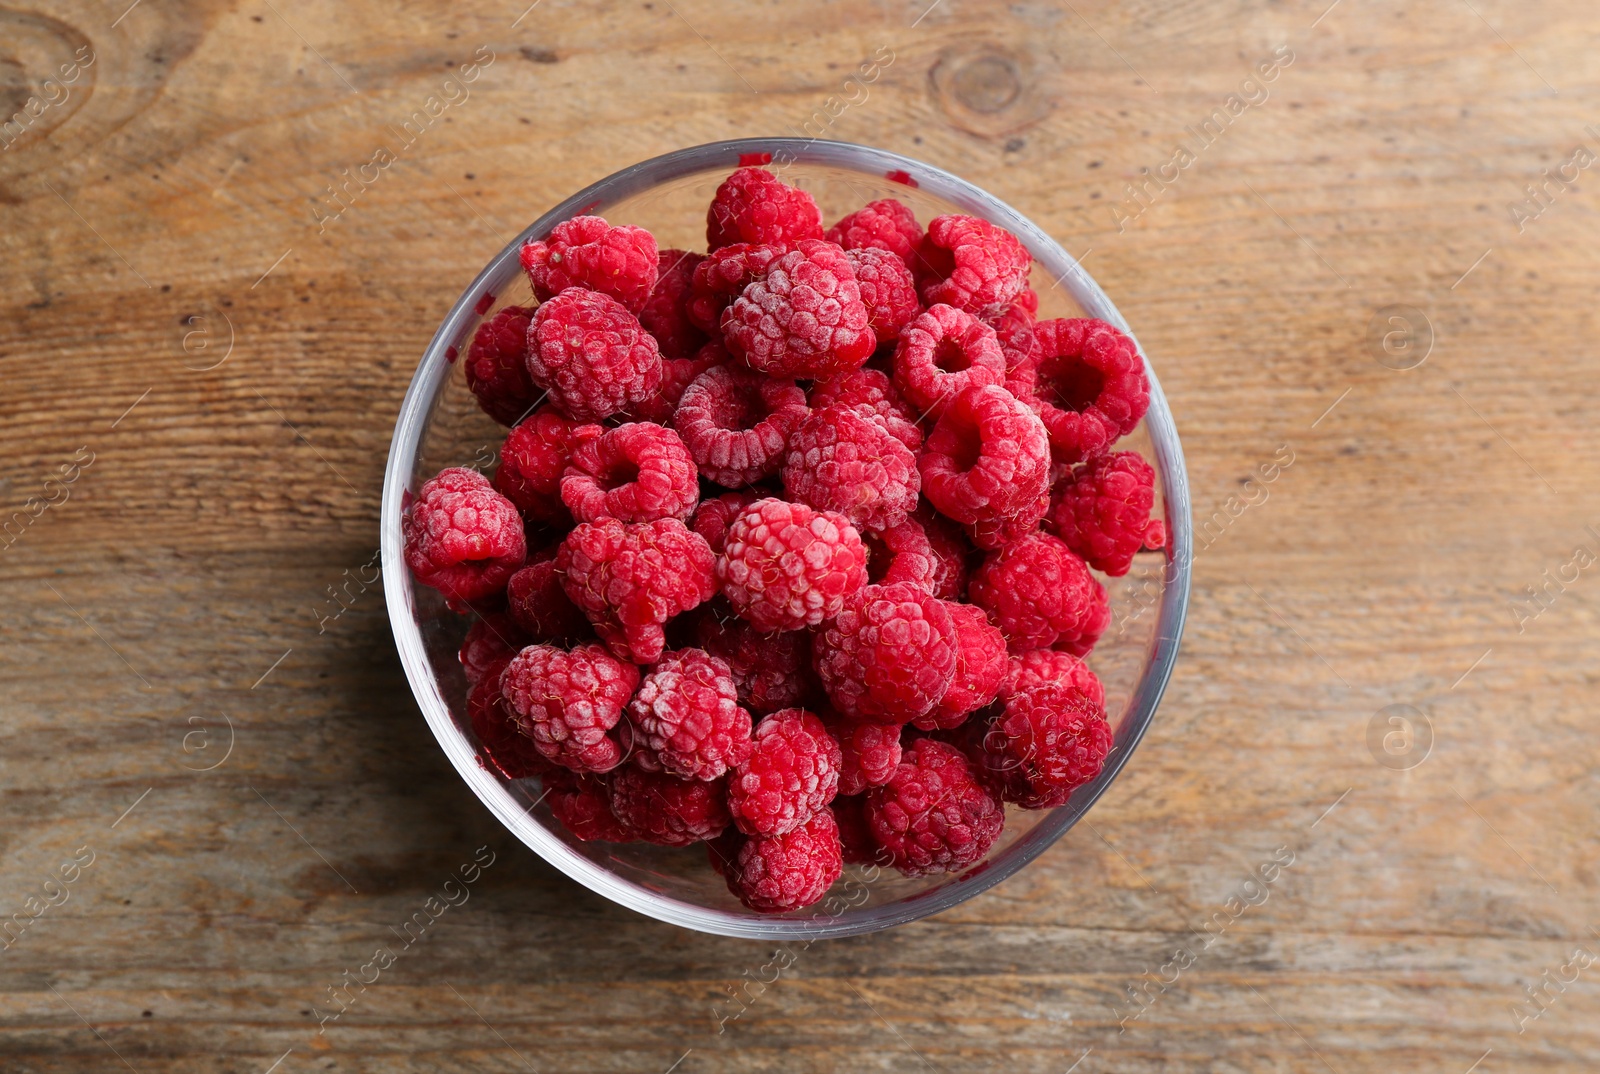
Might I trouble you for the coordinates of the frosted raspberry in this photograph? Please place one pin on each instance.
(505, 749)
(736, 423)
(941, 354)
(870, 392)
(1046, 667)
(992, 533)
(933, 815)
(787, 872)
(884, 225)
(532, 460)
(490, 642)
(676, 376)
(839, 460)
(987, 458)
(753, 205)
(713, 517)
(631, 578)
(462, 537)
(791, 774)
(568, 703)
(1092, 387)
(1040, 594)
(590, 253)
(1102, 511)
(662, 809)
(686, 714)
(804, 318)
(889, 655)
(1047, 741)
(592, 355)
(981, 668)
(887, 290)
(855, 835)
(1013, 329)
(786, 566)
(971, 264)
(665, 313)
(497, 365)
(870, 752)
(723, 276)
(539, 606)
(950, 552)
(582, 803)
(771, 671)
(637, 472)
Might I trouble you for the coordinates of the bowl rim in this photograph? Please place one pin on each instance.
(512, 810)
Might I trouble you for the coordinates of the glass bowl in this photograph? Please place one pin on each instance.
(440, 425)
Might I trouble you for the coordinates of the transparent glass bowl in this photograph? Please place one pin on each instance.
(440, 425)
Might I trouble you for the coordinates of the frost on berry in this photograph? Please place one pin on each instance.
(933, 815)
(870, 392)
(569, 702)
(736, 423)
(792, 772)
(786, 566)
(840, 460)
(803, 318)
(587, 252)
(686, 714)
(987, 459)
(885, 224)
(1043, 667)
(1102, 511)
(889, 655)
(971, 264)
(637, 472)
(887, 290)
(1091, 386)
(775, 874)
(592, 355)
(462, 537)
(753, 205)
(1041, 595)
(1047, 741)
(941, 354)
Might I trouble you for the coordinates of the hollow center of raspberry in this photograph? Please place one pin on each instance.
(1075, 385)
(622, 472)
(744, 410)
(950, 357)
(967, 449)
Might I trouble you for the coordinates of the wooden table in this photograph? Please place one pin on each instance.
(203, 378)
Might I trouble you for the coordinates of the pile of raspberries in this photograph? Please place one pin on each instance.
(789, 550)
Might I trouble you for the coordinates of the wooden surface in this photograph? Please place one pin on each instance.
(168, 203)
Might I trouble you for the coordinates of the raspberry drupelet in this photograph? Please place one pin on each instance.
(637, 472)
(582, 803)
(723, 276)
(992, 533)
(736, 423)
(1041, 595)
(1091, 386)
(586, 251)
(497, 366)
(869, 751)
(775, 874)
(785, 566)
(971, 264)
(532, 460)
(686, 717)
(771, 671)
(889, 655)
(1047, 741)
(714, 515)
(885, 224)
(791, 774)
(540, 608)
(941, 354)
(933, 815)
(569, 702)
(592, 355)
(462, 537)
(870, 392)
(1102, 511)
(840, 460)
(753, 205)
(676, 376)
(987, 459)
(981, 669)
(665, 314)
(660, 808)
(803, 318)
(887, 290)
(1041, 667)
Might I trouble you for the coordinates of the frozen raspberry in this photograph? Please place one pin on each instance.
(941, 354)
(630, 578)
(870, 753)
(676, 376)
(889, 655)
(539, 606)
(568, 703)
(505, 749)
(1094, 625)
(1027, 301)
(490, 642)
(987, 459)
(1047, 741)
(950, 551)
(660, 808)
(753, 205)
(791, 774)
(723, 276)
(981, 668)
(532, 460)
(1103, 511)
(497, 366)
(855, 835)
(588, 252)
(686, 714)
(992, 533)
(1014, 330)
(1040, 594)
(637, 472)
(713, 517)
(771, 671)
(1092, 387)
(804, 318)
(665, 313)
(933, 815)
(883, 225)
(840, 460)
(775, 874)
(870, 392)
(786, 566)
(462, 537)
(972, 265)
(736, 423)
(592, 355)
(887, 290)
(901, 553)
(1045, 667)
(582, 803)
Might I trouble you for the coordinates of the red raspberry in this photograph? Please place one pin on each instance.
(840, 460)
(662, 809)
(676, 376)
(1047, 741)
(950, 552)
(1095, 623)
(1047, 667)
(568, 702)
(972, 265)
(588, 252)
(1027, 301)
(723, 849)
(630, 578)
(981, 668)
(884, 225)
(592, 355)
(889, 655)
(933, 815)
(787, 872)
(637, 472)
(987, 459)
(870, 753)
(665, 313)
(870, 392)
(736, 423)
(790, 775)
(540, 607)
(687, 716)
(941, 354)
(855, 835)
(1014, 330)
(786, 566)
(804, 318)
(1092, 388)
(713, 517)
(462, 537)
(887, 290)
(1103, 511)
(497, 365)
(505, 749)
(723, 276)
(1040, 594)
(490, 643)
(771, 671)
(582, 803)
(901, 553)
(992, 533)
(532, 460)
(753, 205)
